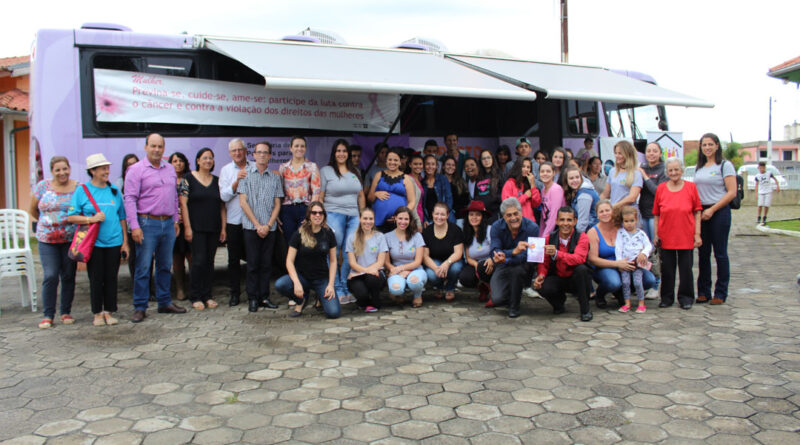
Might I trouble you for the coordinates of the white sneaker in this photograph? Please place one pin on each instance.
(529, 292)
(652, 294)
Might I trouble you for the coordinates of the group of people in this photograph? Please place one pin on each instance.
(409, 221)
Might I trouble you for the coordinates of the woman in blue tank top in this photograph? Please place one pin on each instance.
(390, 190)
(602, 239)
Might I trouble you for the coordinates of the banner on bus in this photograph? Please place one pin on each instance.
(671, 143)
(123, 96)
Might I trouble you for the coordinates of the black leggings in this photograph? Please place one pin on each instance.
(470, 278)
(204, 247)
(103, 267)
(367, 288)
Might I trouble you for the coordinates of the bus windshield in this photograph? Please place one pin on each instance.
(633, 121)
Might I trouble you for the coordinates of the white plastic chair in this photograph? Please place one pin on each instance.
(16, 257)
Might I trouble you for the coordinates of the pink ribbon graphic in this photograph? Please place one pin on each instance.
(373, 98)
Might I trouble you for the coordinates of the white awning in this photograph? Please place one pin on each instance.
(303, 66)
(574, 82)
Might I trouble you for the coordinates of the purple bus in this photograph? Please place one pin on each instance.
(103, 88)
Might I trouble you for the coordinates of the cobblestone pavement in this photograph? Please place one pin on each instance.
(445, 373)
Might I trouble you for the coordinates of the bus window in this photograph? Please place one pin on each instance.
(581, 117)
(230, 70)
(625, 120)
(170, 65)
(428, 115)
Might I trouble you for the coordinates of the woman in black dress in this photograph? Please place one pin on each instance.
(203, 225)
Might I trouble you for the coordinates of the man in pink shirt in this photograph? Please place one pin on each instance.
(151, 205)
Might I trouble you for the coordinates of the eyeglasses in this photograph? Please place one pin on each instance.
(236, 150)
(317, 212)
(263, 153)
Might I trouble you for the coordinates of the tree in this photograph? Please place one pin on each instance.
(690, 158)
(733, 153)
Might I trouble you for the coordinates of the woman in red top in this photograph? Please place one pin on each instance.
(676, 218)
(521, 184)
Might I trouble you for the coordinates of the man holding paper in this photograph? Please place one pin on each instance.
(564, 267)
(509, 249)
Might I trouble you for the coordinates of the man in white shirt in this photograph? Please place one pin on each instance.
(229, 179)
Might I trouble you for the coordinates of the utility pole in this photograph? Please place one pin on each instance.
(564, 33)
(769, 134)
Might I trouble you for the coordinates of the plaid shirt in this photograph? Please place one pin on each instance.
(261, 190)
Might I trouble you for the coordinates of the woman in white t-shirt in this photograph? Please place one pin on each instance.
(715, 179)
(404, 262)
(479, 265)
(366, 254)
(624, 181)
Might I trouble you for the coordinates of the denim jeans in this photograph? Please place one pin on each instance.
(285, 287)
(158, 239)
(57, 266)
(648, 225)
(449, 283)
(415, 281)
(609, 281)
(714, 234)
(343, 226)
(291, 215)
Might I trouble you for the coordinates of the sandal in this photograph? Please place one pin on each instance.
(110, 320)
(46, 323)
(641, 309)
(438, 295)
(198, 305)
(211, 304)
(625, 308)
(449, 296)
(99, 320)
(67, 319)
(416, 303)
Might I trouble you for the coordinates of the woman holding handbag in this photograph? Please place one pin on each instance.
(99, 202)
(49, 206)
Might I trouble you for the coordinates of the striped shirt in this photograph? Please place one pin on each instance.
(261, 190)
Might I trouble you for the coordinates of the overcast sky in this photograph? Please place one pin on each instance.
(716, 50)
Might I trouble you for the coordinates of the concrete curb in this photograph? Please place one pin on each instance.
(766, 229)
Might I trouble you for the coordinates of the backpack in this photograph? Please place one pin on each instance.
(736, 202)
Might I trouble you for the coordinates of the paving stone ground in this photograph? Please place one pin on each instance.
(445, 373)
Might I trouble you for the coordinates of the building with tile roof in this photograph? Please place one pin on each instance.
(14, 143)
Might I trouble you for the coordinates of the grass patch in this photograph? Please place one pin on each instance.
(232, 399)
(791, 224)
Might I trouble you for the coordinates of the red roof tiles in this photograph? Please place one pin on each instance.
(15, 99)
(786, 64)
(6, 62)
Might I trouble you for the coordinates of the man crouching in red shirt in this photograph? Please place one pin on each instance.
(564, 267)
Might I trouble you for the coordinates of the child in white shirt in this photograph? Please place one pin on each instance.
(764, 190)
(631, 243)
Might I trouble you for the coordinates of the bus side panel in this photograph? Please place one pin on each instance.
(55, 109)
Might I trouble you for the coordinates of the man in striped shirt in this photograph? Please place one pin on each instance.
(260, 194)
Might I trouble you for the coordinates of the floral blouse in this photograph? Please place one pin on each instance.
(300, 186)
(53, 227)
